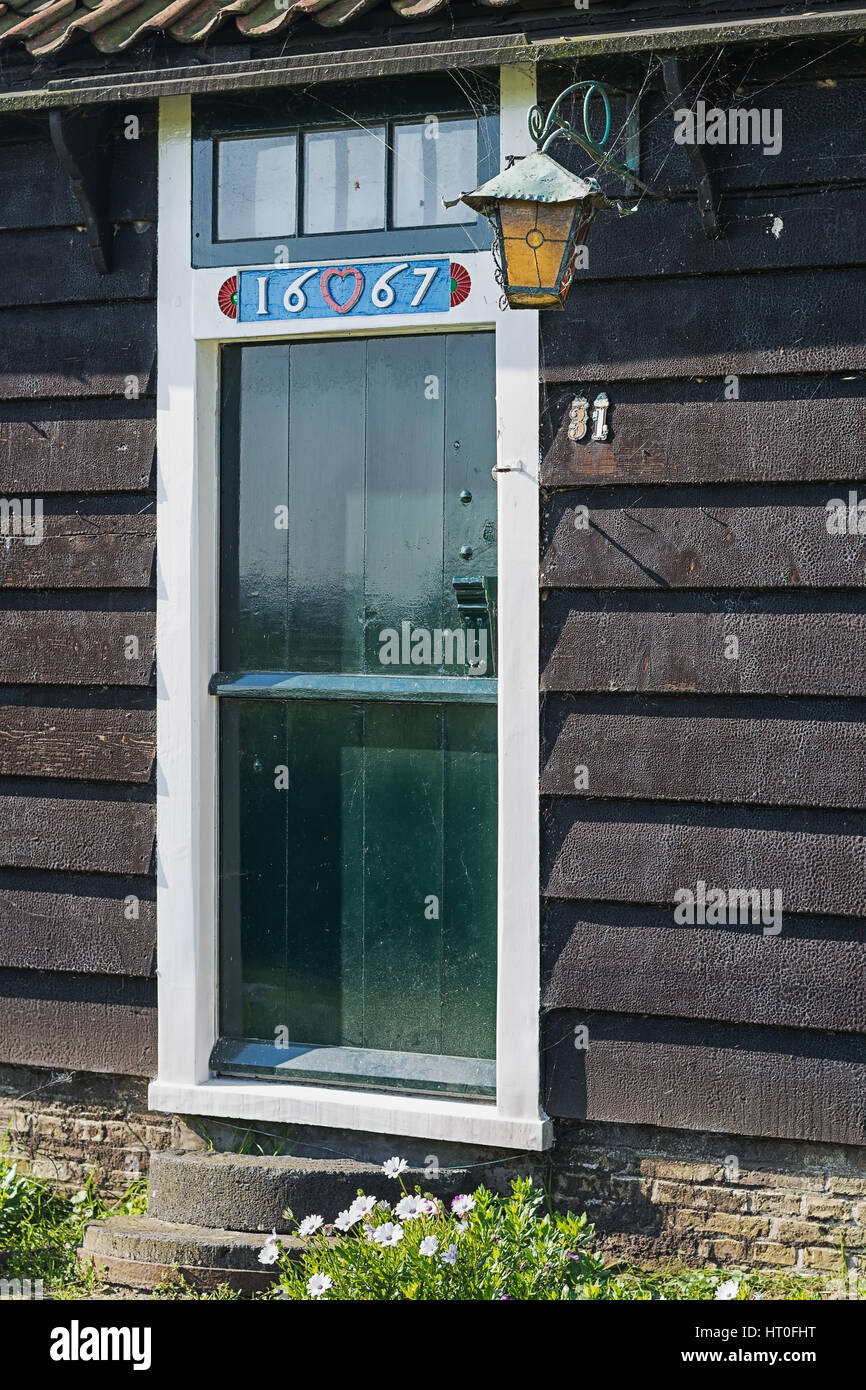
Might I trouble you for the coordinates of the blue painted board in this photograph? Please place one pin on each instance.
(341, 290)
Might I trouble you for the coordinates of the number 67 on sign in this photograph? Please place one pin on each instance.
(337, 291)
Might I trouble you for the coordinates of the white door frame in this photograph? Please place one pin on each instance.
(190, 330)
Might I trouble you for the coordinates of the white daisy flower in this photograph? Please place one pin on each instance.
(450, 1255)
(318, 1284)
(393, 1167)
(270, 1251)
(429, 1245)
(362, 1206)
(462, 1205)
(408, 1208)
(345, 1221)
(389, 1233)
(730, 1289)
(309, 1226)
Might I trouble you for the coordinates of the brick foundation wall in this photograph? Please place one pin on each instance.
(657, 1195)
(62, 1126)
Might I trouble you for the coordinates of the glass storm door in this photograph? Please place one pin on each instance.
(357, 696)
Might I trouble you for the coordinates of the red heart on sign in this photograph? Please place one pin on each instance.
(341, 275)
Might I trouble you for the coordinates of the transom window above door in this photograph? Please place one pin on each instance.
(325, 177)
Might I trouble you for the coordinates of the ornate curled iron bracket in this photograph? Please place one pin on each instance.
(545, 129)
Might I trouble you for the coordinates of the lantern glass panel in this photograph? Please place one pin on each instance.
(535, 237)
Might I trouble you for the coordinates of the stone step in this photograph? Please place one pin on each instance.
(138, 1252)
(247, 1192)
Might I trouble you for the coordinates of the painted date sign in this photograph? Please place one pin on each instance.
(339, 291)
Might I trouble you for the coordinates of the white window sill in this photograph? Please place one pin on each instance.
(418, 1117)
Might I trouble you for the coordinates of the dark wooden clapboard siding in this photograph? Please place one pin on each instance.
(109, 543)
(716, 538)
(764, 231)
(822, 121)
(600, 645)
(84, 923)
(92, 446)
(91, 744)
(64, 646)
(55, 267)
(681, 432)
(645, 851)
(783, 321)
(96, 836)
(101, 1023)
(119, 344)
(623, 958)
(727, 1078)
(766, 751)
(77, 804)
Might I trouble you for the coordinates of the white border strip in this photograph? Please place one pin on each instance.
(187, 402)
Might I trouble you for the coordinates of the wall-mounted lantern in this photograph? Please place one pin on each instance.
(541, 213)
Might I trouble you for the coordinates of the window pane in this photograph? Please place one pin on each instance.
(433, 160)
(344, 180)
(256, 187)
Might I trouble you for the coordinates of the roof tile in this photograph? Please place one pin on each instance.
(47, 26)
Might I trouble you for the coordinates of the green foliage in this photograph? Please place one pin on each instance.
(504, 1248)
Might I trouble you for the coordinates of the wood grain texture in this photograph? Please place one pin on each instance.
(75, 922)
(56, 267)
(781, 322)
(78, 1022)
(750, 750)
(724, 1078)
(712, 537)
(771, 230)
(92, 836)
(44, 353)
(598, 644)
(686, 432)
(81, 744)
(35, 192)
(69, 647)
(639, 852)
(812, 975)
(77, 447)
(107, 545)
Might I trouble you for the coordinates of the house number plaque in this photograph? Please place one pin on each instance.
(580, 417)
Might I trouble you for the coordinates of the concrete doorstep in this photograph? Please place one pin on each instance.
(139, 1252)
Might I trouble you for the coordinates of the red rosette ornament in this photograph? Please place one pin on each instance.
(461, 283)
(228, 297)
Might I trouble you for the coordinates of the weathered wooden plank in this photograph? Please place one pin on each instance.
(726, 1078)
(68, 647)
(819, 146)
(100, 837)
(812, 975)
(769, 752)
(608, 851)
(84, 744)
(35, 191)
(98, 1023)
(772, 230)
(712, 537)
(685, 437)
(682, 648)
(57, 267)
(104, 545)
(804, 321)
(77, 447)
(77, 922)
(45, 352)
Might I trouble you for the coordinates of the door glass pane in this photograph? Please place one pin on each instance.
(358, 836)
(256, 187)
(344, 180)
(433, 160)
(358, 874)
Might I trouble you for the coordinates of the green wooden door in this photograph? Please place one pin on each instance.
(357, 713)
